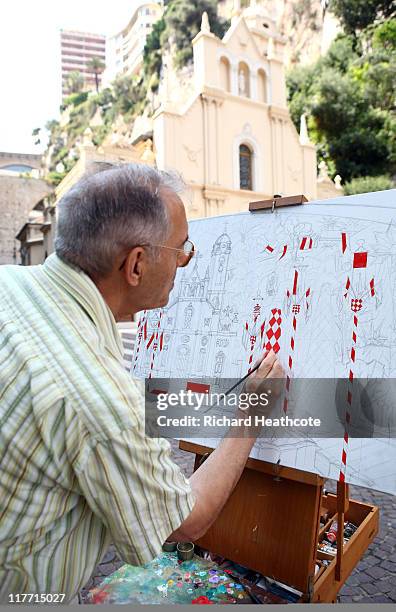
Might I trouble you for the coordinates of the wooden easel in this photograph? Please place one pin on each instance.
(271, 522)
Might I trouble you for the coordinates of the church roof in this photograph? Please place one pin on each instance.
(223, 239)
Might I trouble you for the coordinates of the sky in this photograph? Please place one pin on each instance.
(30, 73)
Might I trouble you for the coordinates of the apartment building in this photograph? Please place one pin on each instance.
(125, 49)
(77, 48)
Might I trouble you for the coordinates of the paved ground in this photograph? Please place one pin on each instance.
(373, 580)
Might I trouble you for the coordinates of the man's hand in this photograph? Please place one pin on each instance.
(269, 375)
(259, 394)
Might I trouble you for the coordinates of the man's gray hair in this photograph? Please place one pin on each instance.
(111, 211)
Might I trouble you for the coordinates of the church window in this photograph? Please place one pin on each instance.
(225, 78)
(245, 167)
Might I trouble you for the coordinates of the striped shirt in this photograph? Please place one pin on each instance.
(76, 470)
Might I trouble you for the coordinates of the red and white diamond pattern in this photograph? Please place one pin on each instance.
(274, 331)
(356, 305)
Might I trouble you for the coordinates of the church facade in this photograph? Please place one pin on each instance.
(225, 126)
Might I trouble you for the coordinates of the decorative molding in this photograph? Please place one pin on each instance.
(214, 193)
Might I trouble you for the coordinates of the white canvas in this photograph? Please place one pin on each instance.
(323, 276)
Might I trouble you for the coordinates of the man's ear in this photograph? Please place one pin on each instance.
(135, 266)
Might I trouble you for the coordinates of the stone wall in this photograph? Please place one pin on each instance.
(18, 196)
(23, 159)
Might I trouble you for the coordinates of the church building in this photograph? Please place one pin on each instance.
(224, 124)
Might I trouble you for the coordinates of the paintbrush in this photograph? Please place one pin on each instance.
(241, 380)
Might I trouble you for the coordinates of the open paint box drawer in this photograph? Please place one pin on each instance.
(366, 519)
(271, 524)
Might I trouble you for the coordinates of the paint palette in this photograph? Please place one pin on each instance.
(167, 580)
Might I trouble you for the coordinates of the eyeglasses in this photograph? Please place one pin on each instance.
(187, 251)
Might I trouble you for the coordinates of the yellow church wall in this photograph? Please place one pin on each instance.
(203, 145)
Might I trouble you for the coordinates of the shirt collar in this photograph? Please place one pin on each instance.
(84, 291)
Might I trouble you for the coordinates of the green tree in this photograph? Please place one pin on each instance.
(349, 97)
(182, 23)
(104, 99)
(152, 52)
(376, 69)
(342, 53)
(350, 127)
(356, 15)
(96, 66)
(384, 36)
(129, 94)
(75, 81)
(75, 99)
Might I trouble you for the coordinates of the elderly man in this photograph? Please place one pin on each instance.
(76, 470)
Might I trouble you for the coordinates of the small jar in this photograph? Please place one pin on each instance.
(185, 551)
(169, 546)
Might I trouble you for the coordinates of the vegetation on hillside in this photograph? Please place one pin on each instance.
(349, 96)
(356, 15)
(128, 95)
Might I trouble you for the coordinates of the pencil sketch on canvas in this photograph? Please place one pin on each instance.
(317, 283)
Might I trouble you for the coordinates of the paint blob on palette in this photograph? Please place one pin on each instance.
(317, 284)
(167, 580)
